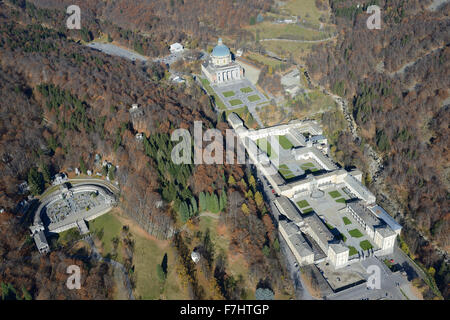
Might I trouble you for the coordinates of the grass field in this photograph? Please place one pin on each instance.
(265, 146)
(285, 143)
(284, 49)
(228, 94)
(334, 194)
(341, 200)
(346, 221)
(246, 90)
(148, 252)
(235, 102)
(268, 30)
(303, 204)
(285, 172)
(110, 227)
(365, 245)
(211, 92)
(355, 233)
(308, 210)
(306, 9)
(352, 251)
(268, 61)
(309, 167)
(254, 98)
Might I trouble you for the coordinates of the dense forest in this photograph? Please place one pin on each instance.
(63, 103)
(396, 80)
(149, 27)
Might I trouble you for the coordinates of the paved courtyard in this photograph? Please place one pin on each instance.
(239, 94)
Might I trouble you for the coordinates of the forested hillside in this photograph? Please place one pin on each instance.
(150, 27)
(62, 103)
(397, 82)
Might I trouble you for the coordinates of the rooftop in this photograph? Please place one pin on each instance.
(288, 209)
(364, 213)
(220, 50)
(319, 228)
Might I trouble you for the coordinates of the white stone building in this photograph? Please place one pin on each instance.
(220, 68)
(176, 47)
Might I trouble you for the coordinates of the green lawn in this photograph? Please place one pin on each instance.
(285, 143)
(303, 204)
(355, 233)
(235, 102)
(246, 90)
(254, 98)
(228, 94)
(346, 221)
(352, 251)
(308, 210)
(308, 165)
(286, 172)
(341, 200)
(147, 254)
(110, 226)
(265, 146)
(365, 245)
(211, 92)
(334, 194)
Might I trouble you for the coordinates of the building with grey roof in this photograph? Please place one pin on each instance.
(359, 189)
(41, 241)
(386, 217)
(296, 242)
(315, 227)
(376, 228)
(287, 208)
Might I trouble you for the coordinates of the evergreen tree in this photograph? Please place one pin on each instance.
(215, 203)
(111, 173)
(184, 211)
(202, 202)
(82, 166)
(194, 206)
(35, 182)
(46, 173)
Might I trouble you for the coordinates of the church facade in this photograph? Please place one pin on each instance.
(220, 68)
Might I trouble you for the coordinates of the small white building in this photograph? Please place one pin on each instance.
(338, 254)
(195, 256)
(176, 47)
(59, 178)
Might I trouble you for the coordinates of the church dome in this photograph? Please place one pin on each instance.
(220, 50)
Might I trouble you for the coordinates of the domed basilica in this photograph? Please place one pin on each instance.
(220, 68)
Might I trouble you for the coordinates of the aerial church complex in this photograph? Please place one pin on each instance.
(220, 68)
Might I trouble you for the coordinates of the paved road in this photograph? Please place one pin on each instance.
(300, 41)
